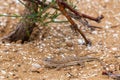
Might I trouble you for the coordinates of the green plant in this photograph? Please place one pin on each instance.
(37, 11)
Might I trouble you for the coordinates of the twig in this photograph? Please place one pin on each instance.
(74, 14)
(112, 75)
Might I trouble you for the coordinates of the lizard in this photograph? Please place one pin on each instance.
(69, 61)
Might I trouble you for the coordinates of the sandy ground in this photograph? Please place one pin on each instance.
(24, 61)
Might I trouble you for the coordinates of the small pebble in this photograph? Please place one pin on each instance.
(114, 49)
(36, 65)
(69, 43)
(107, 26)
(81, 41)
(3, 72)
(36, 68)
(94, 32)
(115, 36)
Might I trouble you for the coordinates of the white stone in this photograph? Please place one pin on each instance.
(3, 72)
(115, 35)
(94, 32)
(81, 41)
(106, 0)
(36, 65)
(114, 49)
(107, 26)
